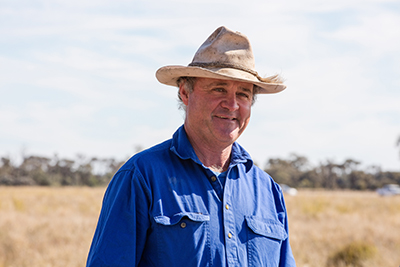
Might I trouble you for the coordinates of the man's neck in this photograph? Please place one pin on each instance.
(217, 158)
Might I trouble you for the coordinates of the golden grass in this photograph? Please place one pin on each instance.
(42, 226)
(322, 223)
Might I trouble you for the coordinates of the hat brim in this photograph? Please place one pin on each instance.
(170, 74)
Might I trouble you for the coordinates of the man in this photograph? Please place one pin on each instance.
(198, 199)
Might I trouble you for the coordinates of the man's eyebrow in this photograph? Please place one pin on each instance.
(216, 84)
(224, 84)
(246, 89)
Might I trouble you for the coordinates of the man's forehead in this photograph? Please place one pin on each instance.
(210, 82)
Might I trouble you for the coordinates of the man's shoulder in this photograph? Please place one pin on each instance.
(155, 150)
(156, 153)
(265, 177)
(260, 172)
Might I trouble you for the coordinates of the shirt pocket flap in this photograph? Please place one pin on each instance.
(267, 227)
(174, 219)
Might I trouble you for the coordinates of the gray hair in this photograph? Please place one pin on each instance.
(189, 82)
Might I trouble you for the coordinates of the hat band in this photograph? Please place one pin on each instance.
(223, 65)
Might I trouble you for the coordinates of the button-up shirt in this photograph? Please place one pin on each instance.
(165, 208)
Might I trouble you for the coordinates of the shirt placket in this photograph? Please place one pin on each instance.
(217, 186)
(228, 218)
(229, 225)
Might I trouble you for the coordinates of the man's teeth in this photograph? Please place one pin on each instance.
(226, 118)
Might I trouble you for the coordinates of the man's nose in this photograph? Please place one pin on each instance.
(230, 102)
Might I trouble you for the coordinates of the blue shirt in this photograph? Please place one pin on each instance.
(165, 208)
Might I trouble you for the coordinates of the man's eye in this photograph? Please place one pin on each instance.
(244, 95)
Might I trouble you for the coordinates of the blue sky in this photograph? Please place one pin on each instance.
(78, 76)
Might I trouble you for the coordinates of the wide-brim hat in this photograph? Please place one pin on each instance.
(224, 55)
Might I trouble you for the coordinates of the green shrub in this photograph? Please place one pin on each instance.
(352, 255)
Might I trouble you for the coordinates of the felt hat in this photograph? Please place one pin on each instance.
(224, 55)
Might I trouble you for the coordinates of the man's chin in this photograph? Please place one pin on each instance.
(228, 137)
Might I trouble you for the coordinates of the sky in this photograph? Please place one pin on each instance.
(78, 77)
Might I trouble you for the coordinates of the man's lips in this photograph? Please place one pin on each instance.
(225, 117)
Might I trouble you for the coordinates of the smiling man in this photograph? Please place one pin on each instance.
(217, 113)
(198, 199)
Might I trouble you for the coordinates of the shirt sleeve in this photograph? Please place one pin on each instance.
(287, 259)
(121, 231)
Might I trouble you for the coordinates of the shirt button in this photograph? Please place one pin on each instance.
(230, 235)
(183, 225)
(213, 178)
(227, 206)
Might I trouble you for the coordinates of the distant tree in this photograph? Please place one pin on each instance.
(350, 165)
(359, 180)
(280, 170)
(34, 168)
(346, 169)
(287, 171)
(311, 179)
(329, 172)
(6, 171)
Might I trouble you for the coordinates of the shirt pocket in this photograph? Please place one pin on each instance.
(183, 239)
(265, 237)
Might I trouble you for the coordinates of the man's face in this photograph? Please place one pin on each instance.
(217, 111)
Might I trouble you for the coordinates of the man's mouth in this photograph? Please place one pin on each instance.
(225, 118)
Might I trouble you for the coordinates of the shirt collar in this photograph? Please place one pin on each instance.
(240, 155)
(183, 149)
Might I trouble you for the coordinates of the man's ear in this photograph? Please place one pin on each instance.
(184, 94)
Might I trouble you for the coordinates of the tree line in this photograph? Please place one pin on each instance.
(295, 171)
(44, 171)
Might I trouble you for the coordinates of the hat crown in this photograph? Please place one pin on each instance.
(226, 47)
(224, 55)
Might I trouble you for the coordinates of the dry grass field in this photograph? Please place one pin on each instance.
(360, 227)
(42, 226)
